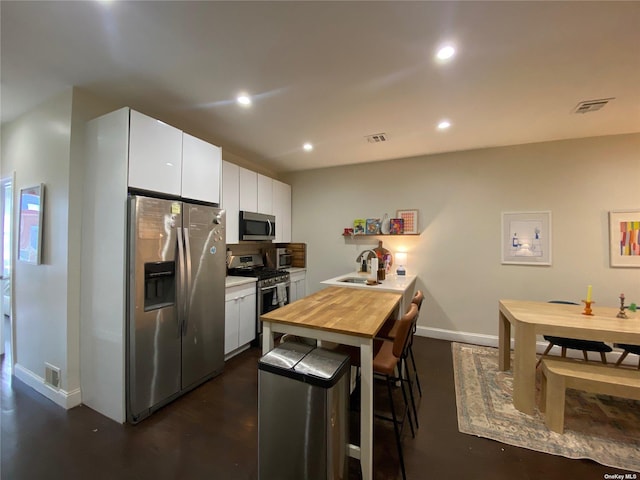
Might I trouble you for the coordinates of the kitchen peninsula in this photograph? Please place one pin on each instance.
(403, 284)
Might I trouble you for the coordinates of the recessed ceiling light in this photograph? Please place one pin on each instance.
(445, 52)
(444, 124)
(307, 147)
(244, 100)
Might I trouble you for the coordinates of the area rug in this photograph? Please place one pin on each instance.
(599, 427)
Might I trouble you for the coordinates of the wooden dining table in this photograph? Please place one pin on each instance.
(347, 316)
(531, 318)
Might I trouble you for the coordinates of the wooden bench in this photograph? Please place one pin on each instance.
(558, 375)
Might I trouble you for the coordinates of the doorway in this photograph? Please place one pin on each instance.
(6, 229)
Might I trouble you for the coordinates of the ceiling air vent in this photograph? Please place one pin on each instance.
(592, 105)
(377, 138)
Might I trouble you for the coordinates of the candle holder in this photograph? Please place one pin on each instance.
(587, 307)
(622, 313)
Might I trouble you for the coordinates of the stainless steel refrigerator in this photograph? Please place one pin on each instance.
(175, 300)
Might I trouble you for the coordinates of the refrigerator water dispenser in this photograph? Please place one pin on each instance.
(159, 285)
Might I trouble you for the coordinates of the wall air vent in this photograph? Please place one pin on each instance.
(592, 105)
(377, 138)
(51, 375)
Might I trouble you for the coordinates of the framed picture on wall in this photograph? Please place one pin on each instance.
(30, 232)
(624, 238)
(526, 238)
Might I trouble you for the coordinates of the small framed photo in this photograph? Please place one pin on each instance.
(624, 238)
(396, 226)
(359, 225)
(373, 226)
(409, 220)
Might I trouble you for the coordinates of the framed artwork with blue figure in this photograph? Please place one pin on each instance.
(526, 238)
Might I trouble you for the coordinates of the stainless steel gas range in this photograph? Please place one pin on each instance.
(272, 287)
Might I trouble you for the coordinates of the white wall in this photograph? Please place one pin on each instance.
(40, 147)
(460, 197)
(37, 147)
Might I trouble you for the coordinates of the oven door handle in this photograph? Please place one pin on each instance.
(273, 287)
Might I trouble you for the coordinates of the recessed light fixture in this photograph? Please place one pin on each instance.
(444, 124)
(445, 52)
(244, 100)
(307, 147)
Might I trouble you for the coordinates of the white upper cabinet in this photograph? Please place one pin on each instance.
(155, 155)
(166, 160)
(231, 199)
(265, 194)
(282, 210)
(248, 190)
(201, 166)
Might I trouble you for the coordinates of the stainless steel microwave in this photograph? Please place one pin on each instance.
(257, 226)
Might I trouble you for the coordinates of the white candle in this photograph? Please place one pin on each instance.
(589, 293)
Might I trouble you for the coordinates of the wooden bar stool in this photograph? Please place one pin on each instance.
(387, 365)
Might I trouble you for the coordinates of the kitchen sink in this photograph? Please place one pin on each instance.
(354, 280)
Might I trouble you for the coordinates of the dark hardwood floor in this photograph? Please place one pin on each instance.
(211, 433)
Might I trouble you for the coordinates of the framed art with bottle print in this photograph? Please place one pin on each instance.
(526, 238)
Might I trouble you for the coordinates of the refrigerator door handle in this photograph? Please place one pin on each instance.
(181, 284)
(187, 291)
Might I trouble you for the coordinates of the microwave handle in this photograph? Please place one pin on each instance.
(270, 228)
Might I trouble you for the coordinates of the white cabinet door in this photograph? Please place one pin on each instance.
(231, 324)
(201, 168)
(282, 210)
(298, 287)
(247, 330)
(240, 317)
(265, 194)
(248, 190)
(301, 288)
(231, 199)
(155, 155)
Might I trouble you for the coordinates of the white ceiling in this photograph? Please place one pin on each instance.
(332, 72)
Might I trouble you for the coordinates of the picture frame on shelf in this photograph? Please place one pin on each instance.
(409, 220)
(359, 225)
(373, 226)
(526, 238)
(396, 226)
(624, 238)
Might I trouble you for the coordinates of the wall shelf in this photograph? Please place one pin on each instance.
(372, 235)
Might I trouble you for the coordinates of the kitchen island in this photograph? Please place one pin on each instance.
(347, 316)
(402, 284)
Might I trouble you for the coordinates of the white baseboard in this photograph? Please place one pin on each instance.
(492, 341)
(61, 397)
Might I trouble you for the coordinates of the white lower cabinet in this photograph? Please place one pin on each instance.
(240, 317)
(298, 288)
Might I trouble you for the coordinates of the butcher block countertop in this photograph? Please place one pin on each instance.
(345, 310)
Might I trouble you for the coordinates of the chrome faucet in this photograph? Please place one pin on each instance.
(361, 258)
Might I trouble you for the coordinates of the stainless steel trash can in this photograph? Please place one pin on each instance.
(303, 413)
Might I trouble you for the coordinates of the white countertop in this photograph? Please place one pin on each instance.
(232, 281)
(295, 269)
(392, 282)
